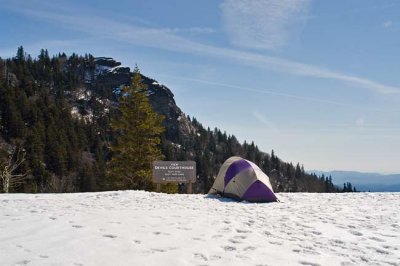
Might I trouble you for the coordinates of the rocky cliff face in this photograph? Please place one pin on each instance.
(110, 75)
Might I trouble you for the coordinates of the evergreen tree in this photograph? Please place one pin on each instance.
(298, 172)
(20, 54)
(137, 129)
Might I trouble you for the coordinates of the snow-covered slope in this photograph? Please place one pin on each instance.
(141, 228)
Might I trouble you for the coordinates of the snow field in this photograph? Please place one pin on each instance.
(142, 228)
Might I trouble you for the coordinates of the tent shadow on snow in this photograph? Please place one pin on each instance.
(227, 200)
(243, 180)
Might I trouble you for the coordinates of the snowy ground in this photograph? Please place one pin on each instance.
(140, 228)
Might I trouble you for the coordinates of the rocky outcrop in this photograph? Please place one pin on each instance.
(110, 74)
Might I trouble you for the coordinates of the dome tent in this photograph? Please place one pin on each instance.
(243, 180)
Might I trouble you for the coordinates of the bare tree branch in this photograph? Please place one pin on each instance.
(7, 168)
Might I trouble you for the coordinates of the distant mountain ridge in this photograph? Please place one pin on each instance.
(373, 182)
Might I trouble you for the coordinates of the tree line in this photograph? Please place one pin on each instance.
(65, 153)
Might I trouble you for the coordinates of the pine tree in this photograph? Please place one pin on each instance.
(20, 54)
(137, 129)
(297, 172)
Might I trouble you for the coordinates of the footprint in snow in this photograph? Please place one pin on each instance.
(337, 242)
(22, 262)
(77, 226)
(377, 239)
(200, 256)
(276, 243)
(184, 228)
(309, 263)
(157, 250)
(348, 263)
(380, 251)
(386, 235)
(356, 233)
(389, 247)
(267, 233)
(242, 231)
(225, 229)
(215, 257)
(161, 233)
(234, 241)
(250, 222)
(229, 248)
(110, 236)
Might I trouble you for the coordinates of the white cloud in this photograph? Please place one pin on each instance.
(166, 40)
(263, 120)
(193, 30)
(360, 122)
(263, 24)
(387, 24)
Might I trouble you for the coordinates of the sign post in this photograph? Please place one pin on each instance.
(174, 172)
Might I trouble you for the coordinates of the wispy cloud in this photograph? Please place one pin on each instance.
(263, 120)
(360, 122)
(275, 92)
(263, 24)
(165, 39)
(194, 30)
(387, 24)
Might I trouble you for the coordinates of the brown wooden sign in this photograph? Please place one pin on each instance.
(174, 172)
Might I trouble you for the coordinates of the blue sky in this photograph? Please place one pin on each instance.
(317, 81)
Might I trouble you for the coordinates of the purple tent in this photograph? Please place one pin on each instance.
(243, 180)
